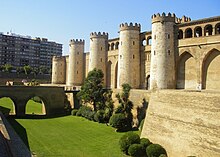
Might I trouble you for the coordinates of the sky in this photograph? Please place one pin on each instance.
(62, 20)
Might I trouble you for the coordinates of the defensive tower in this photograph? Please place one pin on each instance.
(162, 70)
(98, 52)
(76, 63)
(129, 55)
(59, 70)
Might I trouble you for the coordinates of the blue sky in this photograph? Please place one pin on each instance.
(62, 20)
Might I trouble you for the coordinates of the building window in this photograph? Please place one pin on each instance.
(77, 53)
(133, 43)
(101, 59)
(133, 56)
(168, 36)
(155, 37)
(168, 52)
(154, 52)
(120, 56)
(77, 72)
(121, 42)
(101, 48)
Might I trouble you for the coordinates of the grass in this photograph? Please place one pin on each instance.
(68, 136)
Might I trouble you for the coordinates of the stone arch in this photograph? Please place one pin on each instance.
(116, 45)
(148, 82)
(108, 47)
(211, 70)
(217, 28)
(144, 42)
(188, 33)
(109, 74)
(116, 75)
(208, 30)
(186, 72)
(198, 31)
(180, 34)
(43, 104)
(8, 111)
(112, 46)
(149, 40)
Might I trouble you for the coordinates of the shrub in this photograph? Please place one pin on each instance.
(128, 139)
(136, 150)
(155, 150)
(85, 111)
(74, 112)
(100, 116)
(145, 142)
(119, 121)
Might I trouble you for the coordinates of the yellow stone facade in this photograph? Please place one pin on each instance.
(177, 53)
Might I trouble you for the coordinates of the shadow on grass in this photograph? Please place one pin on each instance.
(38, 116)
(20, 130)
(5, 110)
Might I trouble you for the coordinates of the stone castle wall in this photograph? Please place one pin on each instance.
(185, 123)
(194, 46)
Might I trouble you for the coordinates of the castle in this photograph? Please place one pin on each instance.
(177, 54)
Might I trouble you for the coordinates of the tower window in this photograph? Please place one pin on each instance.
(154, 52)
(168, 36)
(133, 56)
(77, 62)
(101, 48)
(121, 42)
(77, 72)
(120, 56)
(133, 43)
(155, 37)
(77, 53)
(101, 59)
(168, 52)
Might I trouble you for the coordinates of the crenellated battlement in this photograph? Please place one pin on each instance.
(99, 35)
(131, 26)
(58, 58)
(183, 19)
(163, 17)
(77, 41)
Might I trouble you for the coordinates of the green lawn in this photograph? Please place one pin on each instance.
(68, 136)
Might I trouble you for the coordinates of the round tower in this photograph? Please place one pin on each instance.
(129, 55)
(58, 70)
(162, 69)
(98, 52)
(76, 63)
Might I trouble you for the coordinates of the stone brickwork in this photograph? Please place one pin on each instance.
(98, 52)
(59, 70)
(185, 123)
(129, 55)
(162, 69)
(76, 63)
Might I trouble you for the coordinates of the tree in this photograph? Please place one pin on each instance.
(7, 68)
(27, 69)
(43, 70)
(125, 105)
(92, 90)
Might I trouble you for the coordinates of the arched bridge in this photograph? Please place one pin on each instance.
(52, 97)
